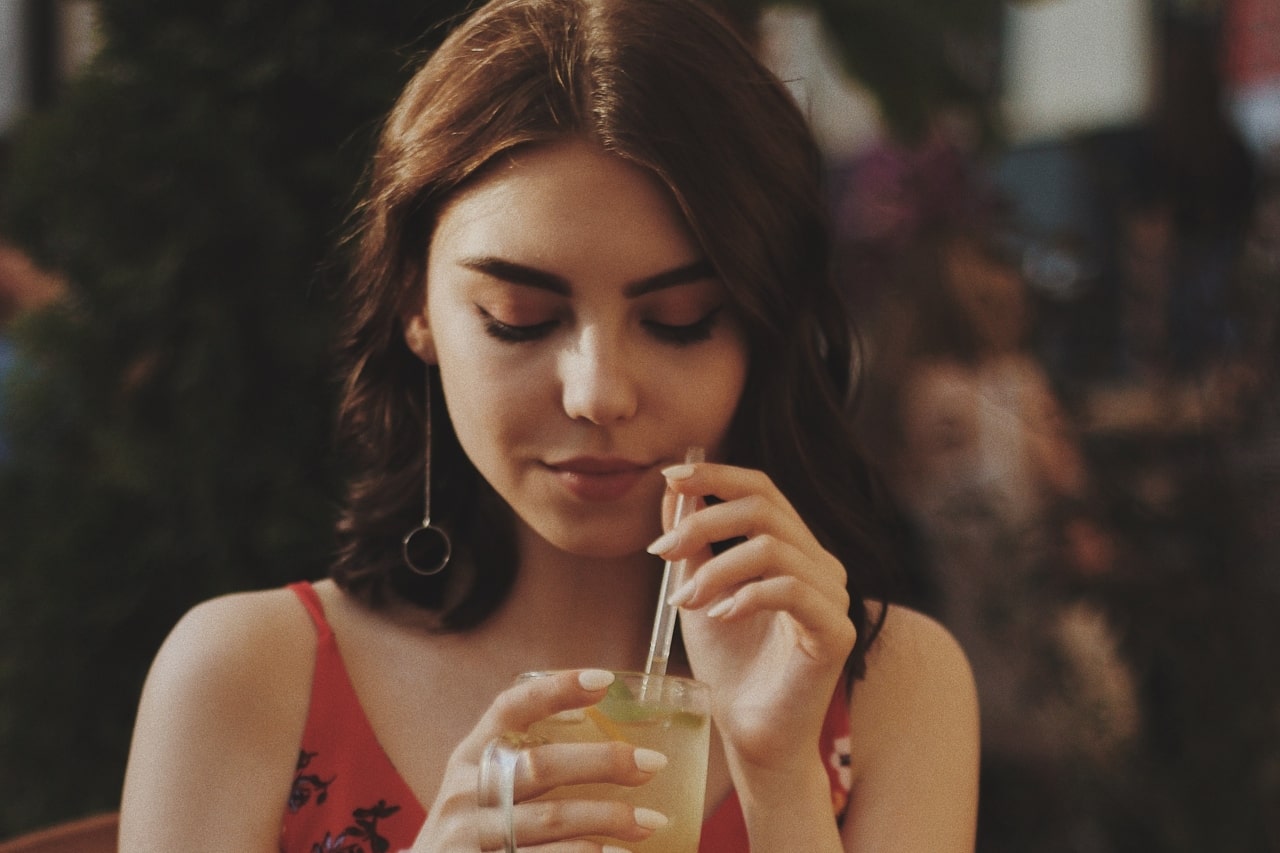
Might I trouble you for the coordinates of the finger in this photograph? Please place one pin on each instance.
(688, 486)
(743, 517)
(717, 522)
(544, 822)
(763, 556)
(725, 482)
(543, 768)
(678, 506)
(821, 626)
(725, 524)
(758, 558)
(575, 845)
(532, 699)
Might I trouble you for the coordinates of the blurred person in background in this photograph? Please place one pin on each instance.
(984, 459)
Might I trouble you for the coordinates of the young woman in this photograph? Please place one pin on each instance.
(594, 232)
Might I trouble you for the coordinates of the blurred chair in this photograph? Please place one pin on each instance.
(95, 834)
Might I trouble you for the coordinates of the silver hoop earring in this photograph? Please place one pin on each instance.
(426, 548)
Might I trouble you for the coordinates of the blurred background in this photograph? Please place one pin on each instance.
(1058, 225)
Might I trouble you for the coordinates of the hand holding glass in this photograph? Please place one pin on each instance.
(667, 714)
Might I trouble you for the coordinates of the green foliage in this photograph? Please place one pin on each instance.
(170, 428)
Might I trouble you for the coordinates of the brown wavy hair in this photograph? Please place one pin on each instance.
(669, 86)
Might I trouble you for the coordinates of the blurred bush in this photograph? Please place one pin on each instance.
(169, 421)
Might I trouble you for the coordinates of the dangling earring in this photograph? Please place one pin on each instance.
(427, 548)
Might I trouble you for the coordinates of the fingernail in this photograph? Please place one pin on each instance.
(595, 679)
(681, 595)
(663, 542)
(678, 472)
(650, 760)
(609, 848)
(720, 608)
(649, 819)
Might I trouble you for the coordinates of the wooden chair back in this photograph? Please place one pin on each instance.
(95, 834)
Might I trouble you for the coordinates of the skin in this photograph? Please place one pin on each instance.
(617, 348)
(575, 424)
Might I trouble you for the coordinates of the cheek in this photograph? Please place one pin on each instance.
(712, 396)
(479, 395)
(484, 394)
(489, 419)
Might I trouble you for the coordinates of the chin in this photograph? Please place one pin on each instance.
(605, 548)
(598, 541)
(600, 532)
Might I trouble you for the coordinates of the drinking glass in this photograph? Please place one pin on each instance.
(666, 713)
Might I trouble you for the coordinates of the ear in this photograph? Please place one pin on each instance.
(417, 334)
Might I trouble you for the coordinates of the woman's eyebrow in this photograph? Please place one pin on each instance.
(514, 273)
(527, 276)
(698, 270)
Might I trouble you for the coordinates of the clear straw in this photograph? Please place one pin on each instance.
(664, 622)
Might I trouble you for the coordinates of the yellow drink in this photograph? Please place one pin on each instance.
(668, 714)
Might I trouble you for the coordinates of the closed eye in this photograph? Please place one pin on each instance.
(510, 333)
(685, 334)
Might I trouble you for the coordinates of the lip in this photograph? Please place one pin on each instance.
(594, 478)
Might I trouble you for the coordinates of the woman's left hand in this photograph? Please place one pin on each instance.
(765, 622)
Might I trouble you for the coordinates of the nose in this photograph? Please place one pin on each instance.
(598, 379)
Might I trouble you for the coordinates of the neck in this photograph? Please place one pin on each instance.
(571, 611)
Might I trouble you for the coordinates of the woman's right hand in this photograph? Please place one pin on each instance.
(457, 821)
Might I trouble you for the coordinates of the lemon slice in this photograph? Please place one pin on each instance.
(607, 726)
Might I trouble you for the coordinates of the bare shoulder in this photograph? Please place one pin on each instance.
(250, 647)
(236, 629)
(915, 732)
(916, 653)
(225, 702)
(918, 682)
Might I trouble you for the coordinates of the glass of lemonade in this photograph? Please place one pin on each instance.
(666, 713)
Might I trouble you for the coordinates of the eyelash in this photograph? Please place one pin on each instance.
(684, 335)
(690, 333)
(507, 333)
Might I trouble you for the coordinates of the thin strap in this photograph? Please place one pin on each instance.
(311, 600)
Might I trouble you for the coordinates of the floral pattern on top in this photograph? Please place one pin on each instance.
(307, 785)
(361, 836)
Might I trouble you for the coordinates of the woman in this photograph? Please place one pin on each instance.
(598, 225)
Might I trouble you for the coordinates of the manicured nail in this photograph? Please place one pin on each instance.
(663, 542)
(650, 819)
(650, 760)
(720, 608)
(681, 595)
(595, 679)
(678, 472)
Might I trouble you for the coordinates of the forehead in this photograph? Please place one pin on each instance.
(566, 200)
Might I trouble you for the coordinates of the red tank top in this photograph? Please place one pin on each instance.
(348, 798)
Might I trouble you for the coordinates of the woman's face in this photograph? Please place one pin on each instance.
(584, 342)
